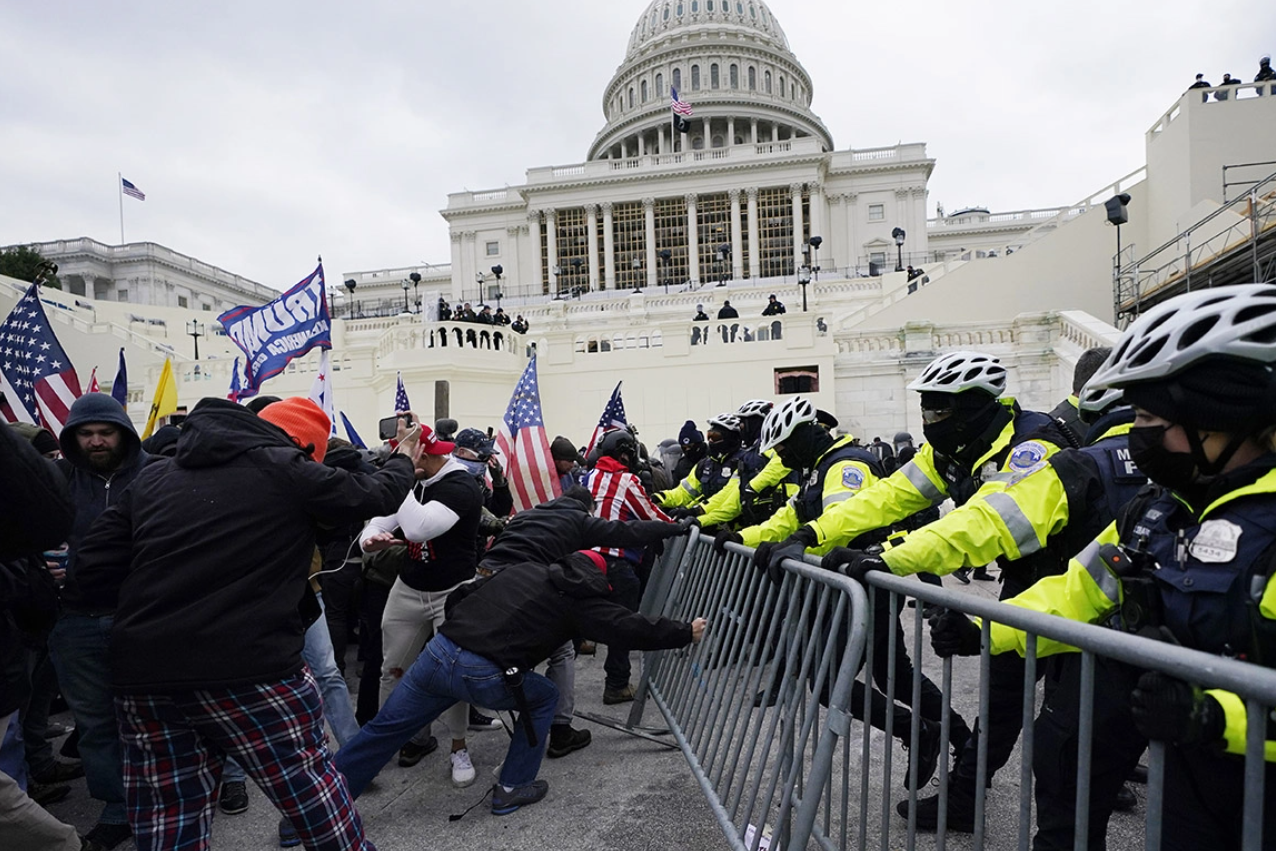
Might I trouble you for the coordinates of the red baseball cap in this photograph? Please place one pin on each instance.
(432, 445)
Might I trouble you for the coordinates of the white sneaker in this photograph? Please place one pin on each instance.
(462, 769)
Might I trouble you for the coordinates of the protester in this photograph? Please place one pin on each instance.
(568, 462)
(206, 659)
(497, 630)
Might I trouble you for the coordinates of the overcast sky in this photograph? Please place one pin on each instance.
(267, 132)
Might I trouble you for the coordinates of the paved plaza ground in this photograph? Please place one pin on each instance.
(620, 793)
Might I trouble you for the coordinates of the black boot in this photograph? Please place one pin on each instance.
(961, 809)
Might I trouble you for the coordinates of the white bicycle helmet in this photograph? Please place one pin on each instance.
(781, 422)
(960, 371)
(1237, 321)
(755, 408)
(725, 422)
(1095, 400)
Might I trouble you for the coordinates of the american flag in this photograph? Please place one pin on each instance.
(680, 107)
(132, 191)
(522, 441)
(613, 417)
(36, 376)
(235, 385)
(119, 387)
(321, 391)
(401, 403)
(93, 388)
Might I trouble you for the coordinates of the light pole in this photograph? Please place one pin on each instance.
(498, 270)
(196, 330)
(478, 279)
(898, 234)
(350, 285)
(804, 278)
(724, 256)
(636, 265)
(576, 264)
(558, 282)
(666, 256)
(415, 278)
(816, 242)
(406, 284)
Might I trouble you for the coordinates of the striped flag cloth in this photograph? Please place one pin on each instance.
(37, 378)
(401, 397)
(351, 434)
(321, 391)
(132, 191)
(93, 388)
(613, 417)
(235, 386)
(522, 441)
(680, 107)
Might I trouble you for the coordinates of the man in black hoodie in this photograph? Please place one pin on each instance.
(497, 630)
(547, 533)
(101, 456)
(205, 565)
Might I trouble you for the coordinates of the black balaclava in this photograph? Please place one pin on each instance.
(1237, 398)
(727, 442)
(804, 446)
(750, 429)
(974, 413)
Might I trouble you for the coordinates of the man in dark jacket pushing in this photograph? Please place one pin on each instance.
(207, 555)
(497, 630)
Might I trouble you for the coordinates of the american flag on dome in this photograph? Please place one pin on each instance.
(613, 417)
(522, 441)
(132, 191)
(680, 107)
(36, 376)
(401, 397)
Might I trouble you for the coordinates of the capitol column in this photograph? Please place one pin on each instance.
(536, 282)
(609, 249)
(469, 264)
(649, 223)
(817, 211)
(551, 249)
(730, 131)
(591, 226)
(693, 241)
(755, 255)
(753, 129)
(737, 256)
(796, 189)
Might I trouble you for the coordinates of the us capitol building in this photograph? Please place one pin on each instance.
(608, 258)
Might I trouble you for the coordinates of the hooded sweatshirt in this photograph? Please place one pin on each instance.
(93, 492)
(518, 617)
(208, 553)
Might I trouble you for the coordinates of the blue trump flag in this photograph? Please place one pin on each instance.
(286, 328)
(119, 387)
(351, 433)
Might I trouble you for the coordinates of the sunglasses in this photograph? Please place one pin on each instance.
(930, 416)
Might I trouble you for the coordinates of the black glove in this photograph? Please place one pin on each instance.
(837, 557)
(853, 563)
(769, 554)
(724, 537)
(954, 634)
(684, 526)
(683, 513)
(1168, 709)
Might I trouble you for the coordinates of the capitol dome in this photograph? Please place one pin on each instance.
(729, 59)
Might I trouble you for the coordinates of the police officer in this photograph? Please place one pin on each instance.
(761, 484)
(724, 453)
(1199, 371)
(976, 442)
(832, 470)
(1088, 487)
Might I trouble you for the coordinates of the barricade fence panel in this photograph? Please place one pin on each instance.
(762, 709)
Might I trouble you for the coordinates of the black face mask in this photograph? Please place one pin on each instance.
(1174, 470)
(946, 435)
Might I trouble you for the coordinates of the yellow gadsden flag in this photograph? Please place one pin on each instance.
(165, 398)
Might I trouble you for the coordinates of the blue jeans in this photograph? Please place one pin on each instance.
(337, 711)
(79, 645)
(441, 676)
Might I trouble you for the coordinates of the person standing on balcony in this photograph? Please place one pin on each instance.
(774, 307)
(1201, 83)
(1265, 72)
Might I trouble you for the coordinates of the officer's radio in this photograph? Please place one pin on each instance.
(1140, 609)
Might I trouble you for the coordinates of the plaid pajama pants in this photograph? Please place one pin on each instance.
(176, 744)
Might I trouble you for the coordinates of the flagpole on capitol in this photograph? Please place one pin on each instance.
(119, 190)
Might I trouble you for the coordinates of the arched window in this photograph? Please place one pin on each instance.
(695, 77)
(782, 93)
(733, 75)
(644, 91)
(766, 81)
(697, 143)
(660, 86)
(716, 141)
(631, 95)
(666, 15)
(695, 6)
(709, 5)
(677, 78)
(753, 79)
(714, 78)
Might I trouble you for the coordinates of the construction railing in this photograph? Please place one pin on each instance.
(762, 708)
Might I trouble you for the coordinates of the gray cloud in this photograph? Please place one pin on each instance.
(267, 133)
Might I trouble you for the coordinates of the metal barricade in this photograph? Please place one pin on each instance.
(762, 708)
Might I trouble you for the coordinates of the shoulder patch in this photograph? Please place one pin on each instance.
(852, 478)
(1028, 456)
